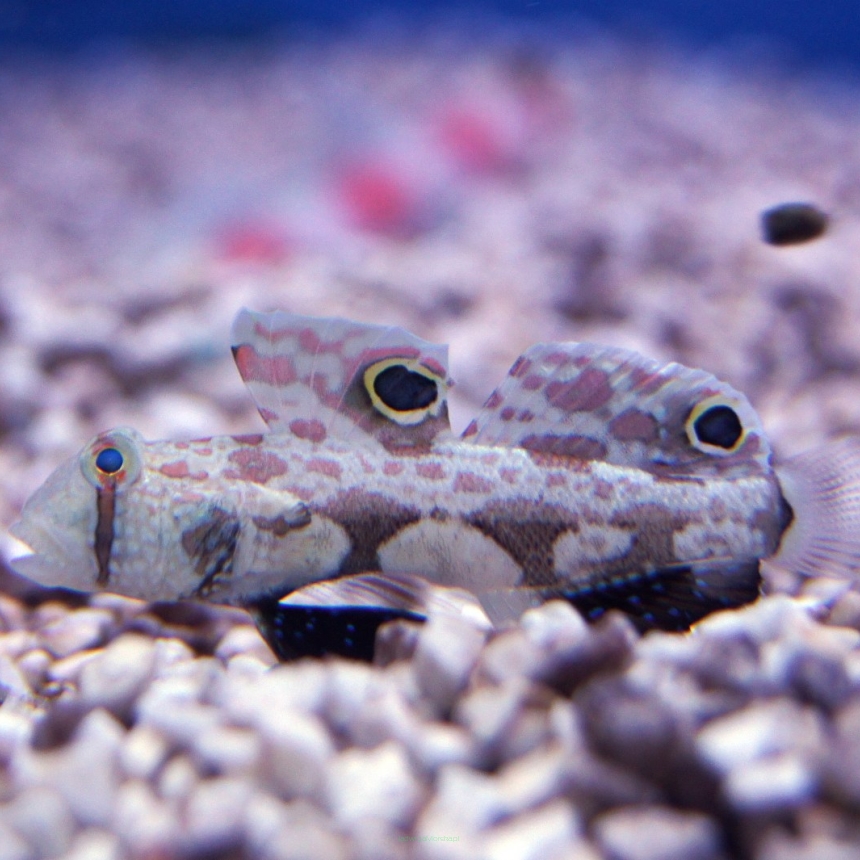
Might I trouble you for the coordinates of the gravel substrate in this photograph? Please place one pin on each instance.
(490, 197)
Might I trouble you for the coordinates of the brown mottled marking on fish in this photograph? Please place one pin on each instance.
(579, 447)
(634, 425)
(432, 471)
(527, 532)
(252, 464)
(211, 544)
(369, 519)
(587, 391)
(280, 525)
(653, 527)
(325, 466)
(106, 507)
(248, 438)
(470, 482)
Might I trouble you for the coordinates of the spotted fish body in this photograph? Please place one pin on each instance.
(591, 473)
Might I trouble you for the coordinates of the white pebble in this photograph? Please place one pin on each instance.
(295, 687)
(226, 750)
(179, 721)
(554, 625)
(146, 824)
(76, 630)
(534, 835)
(12, 679)
(118, 675)
(68, 669)
(434, 745)
(12, 845)
(290, 831)
(89, 760)
(465, 800)
(533, 779)
(349, 684)
(377, 782)
(177, 779)
(448, 648)
(773, 783)
(295, 750)
(657, 833)
(761, 729)
(509, 655)
(170, 653)
(17, 642)
(93, 843)
(41, 816)
(34, 667)
(215, 812)
(15, 732)
(768, 618)
(143, 752)
(375, 839)
(383, 715)
(487, 712)
(245, 639)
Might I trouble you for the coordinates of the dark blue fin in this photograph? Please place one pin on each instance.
(668, 598)
(293, 631)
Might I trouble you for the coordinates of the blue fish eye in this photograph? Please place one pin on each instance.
(109, 461)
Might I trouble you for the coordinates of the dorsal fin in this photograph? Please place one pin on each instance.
(604, 403)
(319, 378)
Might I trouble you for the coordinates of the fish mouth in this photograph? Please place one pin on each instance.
(49, 561)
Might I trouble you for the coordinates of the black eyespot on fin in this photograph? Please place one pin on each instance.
(402, 389)
(719, 426)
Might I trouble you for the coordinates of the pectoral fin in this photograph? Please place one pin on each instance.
(293, 631)
(667, 598)
(341, 616)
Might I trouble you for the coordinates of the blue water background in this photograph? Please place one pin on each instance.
(823, 34)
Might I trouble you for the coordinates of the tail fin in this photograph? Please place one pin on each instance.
(822, 486)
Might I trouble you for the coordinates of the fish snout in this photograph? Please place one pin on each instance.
(57, 524)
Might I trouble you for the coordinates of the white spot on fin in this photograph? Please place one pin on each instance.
(822, 486)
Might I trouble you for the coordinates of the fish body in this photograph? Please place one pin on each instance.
(591, 473)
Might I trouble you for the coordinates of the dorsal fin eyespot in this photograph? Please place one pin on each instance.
(330, 378)
(714, 425)
(604, 403)
(403, 390)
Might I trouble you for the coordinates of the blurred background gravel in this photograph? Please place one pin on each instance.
(536, 183)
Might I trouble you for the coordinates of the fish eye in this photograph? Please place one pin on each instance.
(714, 426)
(403, 390)
(112, 460)
(109, 460)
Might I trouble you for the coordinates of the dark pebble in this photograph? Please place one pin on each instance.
(793, 223)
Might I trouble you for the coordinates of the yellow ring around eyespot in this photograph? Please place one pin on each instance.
(407, 417)
(700, 409)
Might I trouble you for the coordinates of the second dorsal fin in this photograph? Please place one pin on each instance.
(592, 402)
(322, 378)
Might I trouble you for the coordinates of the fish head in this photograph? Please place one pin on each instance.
(54, 524)
(97, 523)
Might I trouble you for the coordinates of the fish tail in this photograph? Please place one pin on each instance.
(822, 488)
